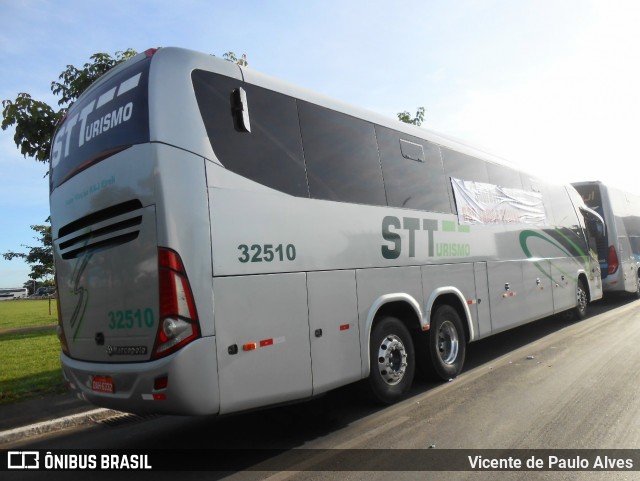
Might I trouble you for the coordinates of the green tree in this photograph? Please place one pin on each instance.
(416, 120)
(35, 121)
(39, 257)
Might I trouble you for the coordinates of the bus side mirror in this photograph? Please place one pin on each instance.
(240, 110)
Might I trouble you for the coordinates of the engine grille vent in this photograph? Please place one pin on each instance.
(103, 229)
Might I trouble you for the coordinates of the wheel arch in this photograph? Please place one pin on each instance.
(582, 276)
(453, 297)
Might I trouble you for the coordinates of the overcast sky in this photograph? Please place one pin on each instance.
(550, 84)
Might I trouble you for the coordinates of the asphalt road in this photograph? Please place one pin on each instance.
(550, 385)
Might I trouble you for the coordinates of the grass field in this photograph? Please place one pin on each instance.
(27, 313)
(29, 361)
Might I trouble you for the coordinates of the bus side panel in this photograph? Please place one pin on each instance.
(262, 340)
(183, 222)
(625, 278)
(564, 274)
(616, 281)
(373, 285)
(482, 307)
(254, 232)
(627, 261)
(335, 334)
(538, 289)
(507, 296)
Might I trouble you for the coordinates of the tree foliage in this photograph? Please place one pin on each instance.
(35, 121)
(416, 120)
(74, 81)
(39, 257)
(231, 57)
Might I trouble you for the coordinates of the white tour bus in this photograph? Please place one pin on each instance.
(13, 293)
(225, 241)
(619, 250)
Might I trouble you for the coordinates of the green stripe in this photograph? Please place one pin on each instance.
(448, 226)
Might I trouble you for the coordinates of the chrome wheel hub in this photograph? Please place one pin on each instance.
(448, 342)
(392, 360)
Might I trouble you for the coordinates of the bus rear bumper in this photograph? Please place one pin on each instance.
(613, 283)
(139, 387)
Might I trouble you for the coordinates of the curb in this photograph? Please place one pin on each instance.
(55, 425)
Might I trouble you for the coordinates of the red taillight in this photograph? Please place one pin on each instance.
(178, 315)
(160, 383)
(613, 260)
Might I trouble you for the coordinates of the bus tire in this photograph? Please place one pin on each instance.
(582, 301)
(391, 361)
(446, 345)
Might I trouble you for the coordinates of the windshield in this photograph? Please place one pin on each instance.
(111, 118)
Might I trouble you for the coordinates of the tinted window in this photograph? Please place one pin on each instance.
(271, 153)
(465, 167)
(413, 173)
(462, 166)
(111, 118)
(590, 195)
(341, 156)
(504, 176)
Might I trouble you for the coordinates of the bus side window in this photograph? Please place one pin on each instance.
(463, 166)
(504, 176)
(412, 171)
(267, 148)
(341, 156)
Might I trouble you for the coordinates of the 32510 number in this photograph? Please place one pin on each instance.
(266, 253)
(131, 318)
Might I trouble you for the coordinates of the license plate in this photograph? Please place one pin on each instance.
(103, 384)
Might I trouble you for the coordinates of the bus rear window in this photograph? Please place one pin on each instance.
(590, 195)
(112, 117)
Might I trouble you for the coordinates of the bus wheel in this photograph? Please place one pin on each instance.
(447, 344)
(392, 361)
(582, 301)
